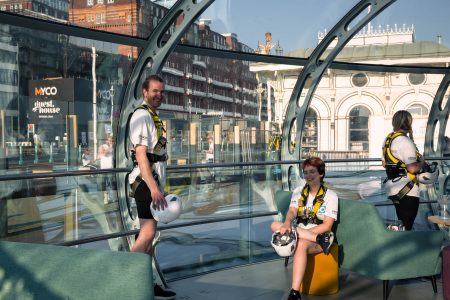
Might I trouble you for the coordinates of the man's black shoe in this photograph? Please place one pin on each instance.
(161, 294)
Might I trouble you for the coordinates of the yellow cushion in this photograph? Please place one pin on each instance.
(321, 274)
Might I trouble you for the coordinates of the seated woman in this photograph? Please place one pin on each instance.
(312, 212)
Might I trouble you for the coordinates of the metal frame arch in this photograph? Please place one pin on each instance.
(437, 114)
(315, 68)
(152, 58)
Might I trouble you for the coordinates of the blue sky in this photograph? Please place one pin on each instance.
(295, 23)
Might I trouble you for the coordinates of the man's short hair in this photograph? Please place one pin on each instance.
(152, 77)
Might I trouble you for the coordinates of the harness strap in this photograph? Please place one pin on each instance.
(396, 164)
(404, 190)
(158, 123)
(317, 202)
(138, 181)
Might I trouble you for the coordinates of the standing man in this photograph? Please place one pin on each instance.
(149, 173)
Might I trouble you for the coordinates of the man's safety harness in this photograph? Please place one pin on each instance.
(396, 169)
(310, 217)
(152, 157)
(162, 141)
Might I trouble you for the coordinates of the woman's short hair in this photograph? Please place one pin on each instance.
(315, 162)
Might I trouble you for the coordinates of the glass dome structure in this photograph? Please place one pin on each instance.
(270, 83)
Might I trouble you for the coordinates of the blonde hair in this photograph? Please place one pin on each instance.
(402, 120)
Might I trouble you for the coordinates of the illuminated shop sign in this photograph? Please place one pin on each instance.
(50, 109)
(57, 89)
(46, 109)
(46, 91)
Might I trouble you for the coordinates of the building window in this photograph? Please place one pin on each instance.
(416, 79)
(99, 1)
(359, 129)
(418, 110)
(359, 80)
(90, 2)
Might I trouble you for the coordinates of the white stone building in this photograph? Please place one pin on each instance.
(352, 110)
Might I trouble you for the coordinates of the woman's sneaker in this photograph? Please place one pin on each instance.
(294, 295)
(161, 294)
(325, 240)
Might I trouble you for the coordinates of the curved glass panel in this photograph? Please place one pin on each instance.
(305, 90)
(435, 141)
(445, 98)
(292, 136)
(395, 34)
(230, 19)
(61, 97)
(60, 100)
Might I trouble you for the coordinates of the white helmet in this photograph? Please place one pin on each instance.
(284, 244)
(429, 173)
(169, 213)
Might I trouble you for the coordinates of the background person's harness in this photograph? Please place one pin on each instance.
(396, 169)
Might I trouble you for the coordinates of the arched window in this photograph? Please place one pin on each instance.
(359, 128)
(418, 110)
(309, 136)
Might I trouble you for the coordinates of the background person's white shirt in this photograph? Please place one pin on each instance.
(404, 149)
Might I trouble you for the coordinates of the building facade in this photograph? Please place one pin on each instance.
(352, 111)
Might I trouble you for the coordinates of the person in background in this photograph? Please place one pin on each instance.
(86, 157)
(148, 177)
(210, 151)
(106, 157)
(402, 161)
(313, 211)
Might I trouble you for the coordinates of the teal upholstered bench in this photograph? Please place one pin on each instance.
(368, 248)
(34, 271)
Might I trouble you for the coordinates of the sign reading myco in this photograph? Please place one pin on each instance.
(48, 99)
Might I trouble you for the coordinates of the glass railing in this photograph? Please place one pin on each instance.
(226, 214)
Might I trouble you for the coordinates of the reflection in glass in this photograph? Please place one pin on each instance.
(48, 113)
(435, 140)
(445, 98)
(309, 136)
(292, 136)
